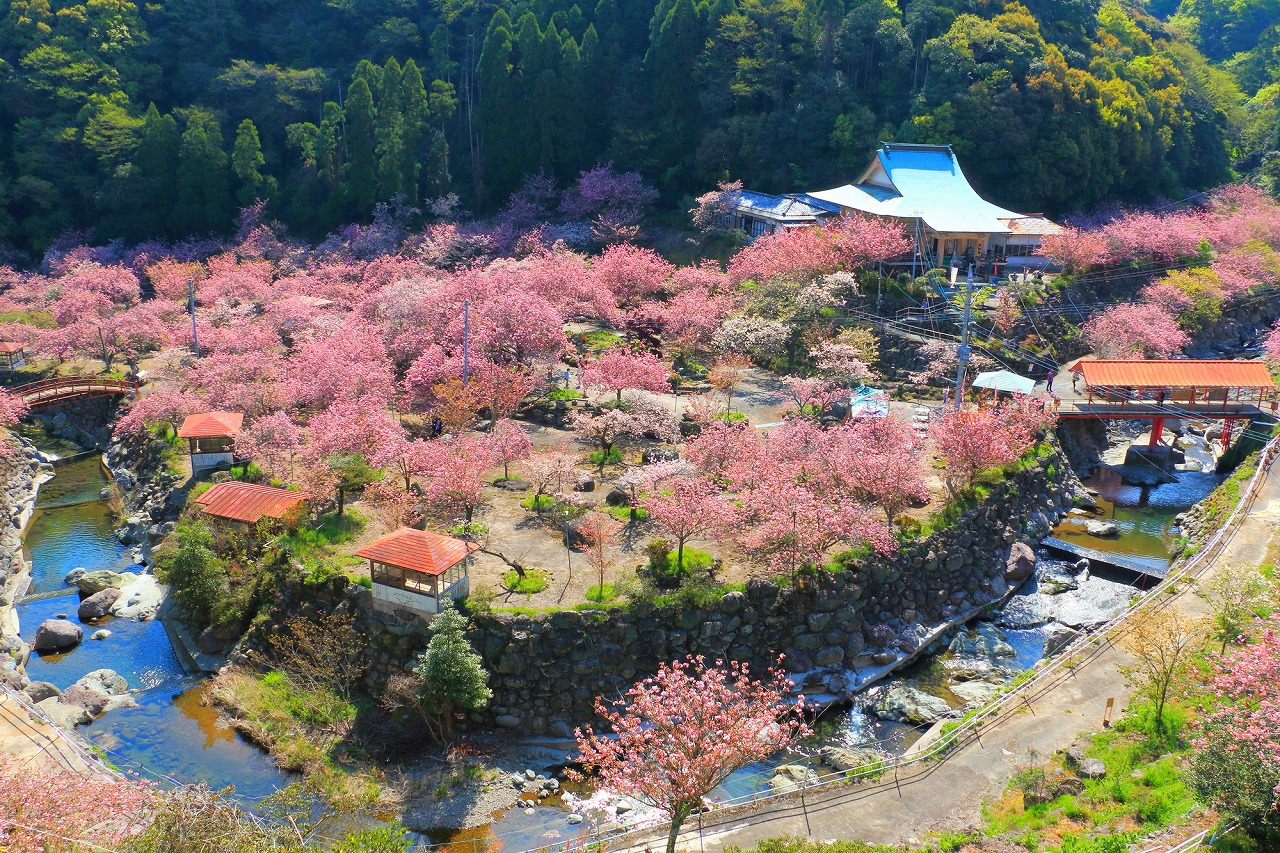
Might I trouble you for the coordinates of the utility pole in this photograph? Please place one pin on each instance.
(962, 351)
(191, 306)
(466, 340)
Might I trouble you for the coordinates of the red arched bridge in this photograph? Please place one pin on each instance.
(51, 392)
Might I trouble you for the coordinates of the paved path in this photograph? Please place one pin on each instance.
(951, 794)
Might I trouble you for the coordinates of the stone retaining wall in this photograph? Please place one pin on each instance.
(548, 669)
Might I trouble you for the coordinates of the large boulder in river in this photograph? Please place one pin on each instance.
(92, 582)
(908, 705)
(73, 576)
(56, 635)
(107, 681)
(852, 758)
(97, 605)
(41, 690)
(92, 702)
(1102, 527)
(1021, 562)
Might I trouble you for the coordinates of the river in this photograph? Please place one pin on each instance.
(172, 733)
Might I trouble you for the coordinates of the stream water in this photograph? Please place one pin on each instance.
(173, 732)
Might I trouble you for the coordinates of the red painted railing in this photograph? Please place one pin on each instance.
(56, 390)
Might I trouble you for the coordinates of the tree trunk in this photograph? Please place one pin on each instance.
(680, 555)
(677, 820)
(342, 500)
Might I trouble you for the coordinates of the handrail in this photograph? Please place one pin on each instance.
(1045, 672)
(70, 386)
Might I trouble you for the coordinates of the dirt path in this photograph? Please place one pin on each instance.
(951, 794)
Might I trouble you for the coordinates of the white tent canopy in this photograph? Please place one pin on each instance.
(1004, 380)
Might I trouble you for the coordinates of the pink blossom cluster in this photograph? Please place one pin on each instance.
(970, 441)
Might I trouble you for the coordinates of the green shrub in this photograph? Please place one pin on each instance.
(599, 457)
(540, 503)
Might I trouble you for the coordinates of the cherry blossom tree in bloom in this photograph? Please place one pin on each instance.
(49, 808)
(1135, 331)
(713, 207)
(1271, 345)
(1075, 249)
(763, 340)
(682, 731)
(403, 456)
(809, 396)
(882, 456)
(685, 508)
(552, 472)
(599, 532)
(12, 409)
(840, 362)
(640, 416)
(795, 525)
(619, 369)
(631, 273)
(510, 444)
(970, 441)
(350, 363)
(453, 483)
(163, 404)
(274, 443)
(1163, 238)
(1236, 758)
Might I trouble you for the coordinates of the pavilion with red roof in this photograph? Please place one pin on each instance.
(416, 569)
(243, 506)
(211, 436)
(12, 355)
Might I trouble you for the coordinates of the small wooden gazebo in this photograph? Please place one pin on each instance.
(211, 436)
(12, 355)
(417, 569)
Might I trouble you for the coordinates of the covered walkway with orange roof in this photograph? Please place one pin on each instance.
(1155, 390)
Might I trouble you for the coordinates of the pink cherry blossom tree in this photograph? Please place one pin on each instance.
(600, 532)
(640, 417)
(793, 525)
(552, 472)
(1235, 763)
(164, 404)
(510, 444)
(1271, 345)
(840, 362)
(47, 807)
(882, 458)
(1135, 331)
(1075, 249)
(809, 396)
(274, 443)
(713, 207)
(682, 731)
(12, 409)
(620, 368)
(454, 482)
(685, 508)
(970, 441)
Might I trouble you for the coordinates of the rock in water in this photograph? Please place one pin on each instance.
(55, 635)
(41, 690)
(73, 576)
(1102, 528)
(92, 582)
(1021, 562)
(909, 705)
(849, 758)
(97, 605)
(100, 634)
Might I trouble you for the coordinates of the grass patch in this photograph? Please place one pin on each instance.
(600, 339)
(534, 580)
(564, 394)
(623, 513)
(602, 594)
(599, 457)
(731, 417)
(540, 503)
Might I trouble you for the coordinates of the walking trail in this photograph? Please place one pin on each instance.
(951, 794)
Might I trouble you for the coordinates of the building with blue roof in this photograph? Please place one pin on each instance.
(924, 187)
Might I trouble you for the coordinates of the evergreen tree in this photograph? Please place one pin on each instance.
(153, 180)
(247, 163)
(417, 117)
(501, 162)
(453, 675)
(329, 160)
(360, 173)
(204, 181)
(669, 65)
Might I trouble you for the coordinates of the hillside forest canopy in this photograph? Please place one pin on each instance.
(132, 121)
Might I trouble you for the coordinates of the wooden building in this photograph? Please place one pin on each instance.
(243, 506)
(415, 569)
(211, 437)
(12, 355)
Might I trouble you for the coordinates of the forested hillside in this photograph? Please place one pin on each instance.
(160, 119)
